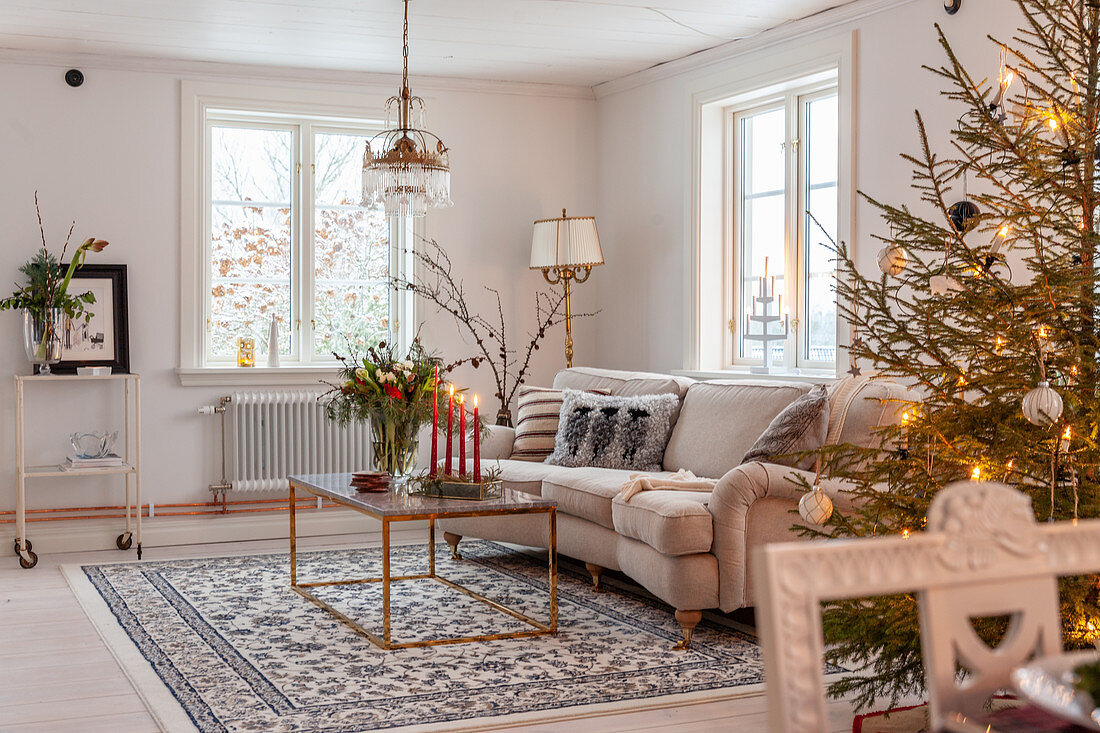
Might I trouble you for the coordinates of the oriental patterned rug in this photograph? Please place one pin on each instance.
(224, 644)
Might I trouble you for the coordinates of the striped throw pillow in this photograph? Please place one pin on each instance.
(537, 414)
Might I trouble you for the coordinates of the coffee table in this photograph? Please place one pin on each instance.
(398, 506)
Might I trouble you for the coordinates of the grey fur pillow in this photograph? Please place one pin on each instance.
(613, 432)
(803, 425)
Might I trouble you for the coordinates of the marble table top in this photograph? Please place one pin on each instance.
(397, 502)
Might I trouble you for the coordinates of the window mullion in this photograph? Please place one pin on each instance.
(400, 313)
(731, 268)
(741, 175)
(799, 281)
(207, 245)
(792, 226)
(307, 248)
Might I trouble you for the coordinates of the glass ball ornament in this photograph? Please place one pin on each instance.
(892, 259)
(1042, 406)
(815, 506)
(942, 284)
(964, 215)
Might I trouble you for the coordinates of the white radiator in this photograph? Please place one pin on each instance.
(274, 434)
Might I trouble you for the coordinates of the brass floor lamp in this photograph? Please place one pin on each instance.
(566, 250)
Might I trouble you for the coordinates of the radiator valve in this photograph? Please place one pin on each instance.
(215, 409)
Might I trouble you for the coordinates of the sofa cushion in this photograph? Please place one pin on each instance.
(672, 522)
(537, 411)
(720, 421)
(626, 384)
(587, 492)
(526, 476)
(613, 431)
(801, 426)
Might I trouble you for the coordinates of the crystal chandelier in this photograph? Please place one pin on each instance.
(406, 168)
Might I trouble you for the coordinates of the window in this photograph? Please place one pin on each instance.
(271, 226)
(784, 171)
(288, 239)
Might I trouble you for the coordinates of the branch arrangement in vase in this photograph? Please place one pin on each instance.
(437, 283)
(47, 286)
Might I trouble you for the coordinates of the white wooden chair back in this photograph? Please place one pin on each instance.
(982, 555)
(948, 639)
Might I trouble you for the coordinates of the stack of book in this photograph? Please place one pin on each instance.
(73, 463)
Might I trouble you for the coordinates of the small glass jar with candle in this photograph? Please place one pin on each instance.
(246, 352)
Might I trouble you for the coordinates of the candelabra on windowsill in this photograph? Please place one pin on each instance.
(766, 297)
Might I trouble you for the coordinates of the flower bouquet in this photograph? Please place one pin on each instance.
(393, 392)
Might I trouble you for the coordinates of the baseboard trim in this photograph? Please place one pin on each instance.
(95, 534)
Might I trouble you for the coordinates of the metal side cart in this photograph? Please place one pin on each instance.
(131, 468)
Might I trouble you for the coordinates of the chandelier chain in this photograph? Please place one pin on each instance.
(405, 52)
(406, 168)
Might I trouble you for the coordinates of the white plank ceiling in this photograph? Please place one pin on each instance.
(581, 42)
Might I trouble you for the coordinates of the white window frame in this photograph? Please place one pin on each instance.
(204, 105)
(793, 102)
(743, 80)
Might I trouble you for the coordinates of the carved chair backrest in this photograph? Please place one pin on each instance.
(1030, 599)
(982, 555)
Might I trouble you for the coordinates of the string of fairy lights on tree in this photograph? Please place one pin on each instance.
(986, 304)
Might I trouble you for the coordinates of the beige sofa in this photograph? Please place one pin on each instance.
(690, 549)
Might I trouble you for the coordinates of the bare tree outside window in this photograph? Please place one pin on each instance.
(254, 256)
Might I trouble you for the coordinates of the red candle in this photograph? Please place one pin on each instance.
(435, 422)
(450, 426)
(462, 436)
(477, 444)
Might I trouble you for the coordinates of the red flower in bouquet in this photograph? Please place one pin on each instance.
(393, 392)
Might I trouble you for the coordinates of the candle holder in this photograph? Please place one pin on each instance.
(246, 352)
(443, 486)
(765, 319)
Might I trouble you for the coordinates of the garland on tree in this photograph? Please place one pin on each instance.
(987, 307)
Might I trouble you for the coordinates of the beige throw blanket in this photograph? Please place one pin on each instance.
(682, 480)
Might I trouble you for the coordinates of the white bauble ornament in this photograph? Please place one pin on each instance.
(815, 506)
(1042, 406)
(892, 259)
(942, 284)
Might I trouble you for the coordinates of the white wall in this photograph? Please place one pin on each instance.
(645, 143)
(107, 155)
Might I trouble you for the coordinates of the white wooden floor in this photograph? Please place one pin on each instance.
(57, 676)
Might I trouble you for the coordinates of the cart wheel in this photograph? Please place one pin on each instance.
(26, 542)
(139, 551)
(23, 563)
(124, 541)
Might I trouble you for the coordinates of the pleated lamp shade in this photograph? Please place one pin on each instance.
(566, 242)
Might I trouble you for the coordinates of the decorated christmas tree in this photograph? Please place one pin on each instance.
(986, 305)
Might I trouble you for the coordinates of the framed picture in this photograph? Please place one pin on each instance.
(105, 339)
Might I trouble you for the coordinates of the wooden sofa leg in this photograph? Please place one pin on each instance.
(453, 540)
(688, 620)
(596, 571)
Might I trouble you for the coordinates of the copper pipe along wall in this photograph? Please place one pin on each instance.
(218, 508)
(307, 500)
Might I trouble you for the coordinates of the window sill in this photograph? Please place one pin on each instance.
(813, 376)
(229, 376)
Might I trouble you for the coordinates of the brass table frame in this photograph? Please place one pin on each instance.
(385, 642)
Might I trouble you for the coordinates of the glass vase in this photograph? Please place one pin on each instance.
(394, 445)
(42, 333)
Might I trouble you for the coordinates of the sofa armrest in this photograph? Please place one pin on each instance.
(498, 443)
(734, 495)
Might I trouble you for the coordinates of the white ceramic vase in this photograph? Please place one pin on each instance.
(273, 343)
